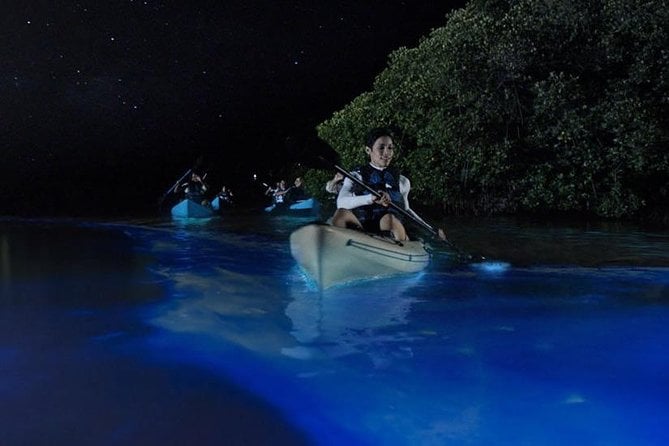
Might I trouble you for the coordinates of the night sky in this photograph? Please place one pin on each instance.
(104, 104)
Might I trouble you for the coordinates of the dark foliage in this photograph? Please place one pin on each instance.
(528, 105)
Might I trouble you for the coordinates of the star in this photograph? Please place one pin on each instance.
(175, 77)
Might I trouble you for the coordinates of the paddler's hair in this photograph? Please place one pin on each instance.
(377, 133)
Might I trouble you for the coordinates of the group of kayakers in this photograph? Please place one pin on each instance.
(283, 195)
(373, 197)
(195, 189)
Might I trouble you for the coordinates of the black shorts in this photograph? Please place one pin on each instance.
(374, 224)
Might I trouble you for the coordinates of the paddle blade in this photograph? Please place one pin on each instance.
(324, 153)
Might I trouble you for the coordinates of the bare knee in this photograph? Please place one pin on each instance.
(343, 218)
(393, 224)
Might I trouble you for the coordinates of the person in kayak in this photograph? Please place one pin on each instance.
(225, 196)
(194, 189)
(358, 208)
(297, 191)
(279, 194)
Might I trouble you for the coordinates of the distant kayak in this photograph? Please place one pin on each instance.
(306, 207)
(217, 204)
(332, 255)
(190, 209)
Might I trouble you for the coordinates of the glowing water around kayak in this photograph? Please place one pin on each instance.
(209, 333)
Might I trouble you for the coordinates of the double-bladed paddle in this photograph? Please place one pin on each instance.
(327, 157)
(173, 187)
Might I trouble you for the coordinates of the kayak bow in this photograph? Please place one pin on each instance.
(332, 255)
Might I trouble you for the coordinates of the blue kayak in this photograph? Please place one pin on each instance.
(216, 204)
(309, 206)
(190, 209)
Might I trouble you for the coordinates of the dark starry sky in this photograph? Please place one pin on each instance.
(105, 103)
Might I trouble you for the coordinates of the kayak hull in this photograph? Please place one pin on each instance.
(307, 207)
(191, 209)
(333, 256)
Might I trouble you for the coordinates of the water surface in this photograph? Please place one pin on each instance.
(151, 331)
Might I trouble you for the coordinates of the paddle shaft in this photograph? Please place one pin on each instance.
(328, 156)
(403, 211)
(378, 194)
(171, 189)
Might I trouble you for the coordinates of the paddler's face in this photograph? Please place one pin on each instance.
(381, 153)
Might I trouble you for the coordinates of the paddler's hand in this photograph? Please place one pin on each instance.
(383, 200)
(441, 234)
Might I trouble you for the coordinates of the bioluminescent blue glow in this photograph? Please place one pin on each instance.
(185, 326)
(492, 267)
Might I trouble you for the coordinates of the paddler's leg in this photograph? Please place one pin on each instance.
(343, 218)
(393, 224)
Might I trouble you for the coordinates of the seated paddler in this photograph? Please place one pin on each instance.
(358, 208)
(194, 189)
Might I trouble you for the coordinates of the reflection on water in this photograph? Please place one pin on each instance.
(94, 265)
(521, 243)
(76, 366)
(335, 323)
(594, 244)
(213, 321)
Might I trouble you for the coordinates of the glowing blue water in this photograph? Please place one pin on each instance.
(180, 326)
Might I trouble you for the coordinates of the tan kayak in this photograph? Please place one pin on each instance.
(333, 256)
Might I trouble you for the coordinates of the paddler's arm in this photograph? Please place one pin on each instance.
(348, 200)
